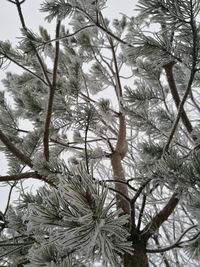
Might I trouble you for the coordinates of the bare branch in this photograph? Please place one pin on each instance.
(175, 244)
(180, 110)
(192, 75)
(172, 85)
(9, 197)
(17, 177)
(141, 212)
(51, 97)
(26, 175)
(127, 200)
(139, 191)
(120, 182)
(161, 217)
(116, 162)
(85, 141)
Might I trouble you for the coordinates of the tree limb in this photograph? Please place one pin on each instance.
(51, 97)
(172, 85)
(161, 217)
(116, 162)
(16, 152)
(20, 176)
(180, 110)
(175, 244)
(141, 212)
(26, 175)
(192, 75)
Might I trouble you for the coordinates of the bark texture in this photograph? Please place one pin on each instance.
(138, 259)
(120, 187)
(118, 171)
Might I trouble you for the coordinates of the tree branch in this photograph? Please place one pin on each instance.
(18, 4)
(175, 244)
(161, 217)
(23, 67)
(16, 152)
(127, 200)
(141, 212)
(192, 75)
(85, 141)
(9, 197)
(20, 176)
(51, 97)
(116, 162)
(26, 175)
(172, 85)
(66, 36)
(139, 191)
(180, 110)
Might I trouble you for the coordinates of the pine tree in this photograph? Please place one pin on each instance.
(119, 176)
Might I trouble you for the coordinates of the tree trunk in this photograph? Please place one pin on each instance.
(138, 259)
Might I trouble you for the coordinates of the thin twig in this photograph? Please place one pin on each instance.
(9, 197)
(60, 38)
(24, 68)
(18, 4)
(139, 191)
(85, 141)
(120, 182)
(175, 244)
(120, 193)
(141, 212)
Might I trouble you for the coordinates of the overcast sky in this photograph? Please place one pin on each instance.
(10, 30)
(10, 23)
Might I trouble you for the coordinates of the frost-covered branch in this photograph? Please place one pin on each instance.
(9, 57)
(16, 152)
(18, 5)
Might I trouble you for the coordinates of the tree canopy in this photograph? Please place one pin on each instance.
(113, 137)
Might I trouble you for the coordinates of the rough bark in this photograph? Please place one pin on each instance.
(138, 259)
(161, 217)
(120, 187)
(118, 171)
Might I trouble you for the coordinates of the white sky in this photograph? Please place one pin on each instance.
(9, 30)
(10, 21)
